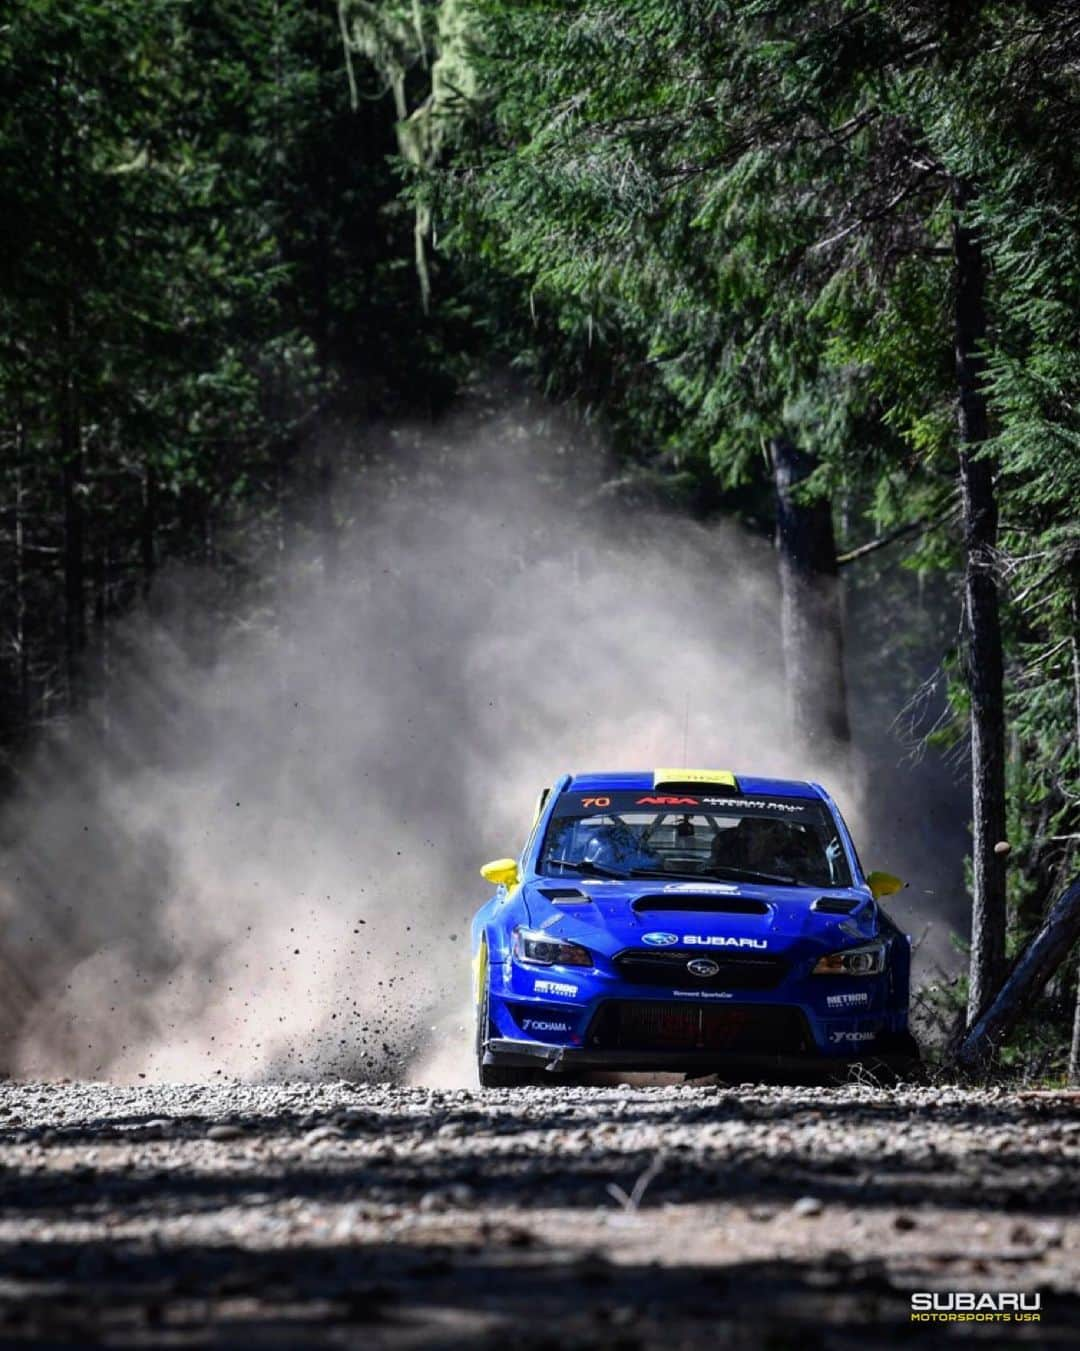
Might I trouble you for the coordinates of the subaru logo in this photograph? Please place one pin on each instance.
(659, 940)
(702, 966)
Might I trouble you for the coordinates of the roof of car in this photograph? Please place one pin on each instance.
(645, 780)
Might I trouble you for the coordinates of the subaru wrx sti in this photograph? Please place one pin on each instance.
(687, 920)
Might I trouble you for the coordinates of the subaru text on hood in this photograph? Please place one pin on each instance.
(687, 920)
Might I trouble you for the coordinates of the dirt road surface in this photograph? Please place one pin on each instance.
(296, 1215)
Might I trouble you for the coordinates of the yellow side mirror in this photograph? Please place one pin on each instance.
(883, 884)
(502, 872)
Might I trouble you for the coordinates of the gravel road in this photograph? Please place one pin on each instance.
(293, 1215)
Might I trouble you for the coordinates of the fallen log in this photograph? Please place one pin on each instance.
(1033, 968)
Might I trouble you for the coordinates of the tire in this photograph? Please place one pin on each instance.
(493, 1076)
(904, 1057)
(904, 1044)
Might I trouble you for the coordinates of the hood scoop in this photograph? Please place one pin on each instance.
(565, 896)
(710, 903)
(836, 905)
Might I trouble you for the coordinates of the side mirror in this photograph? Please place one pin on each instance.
(503, 872)
(883, 884)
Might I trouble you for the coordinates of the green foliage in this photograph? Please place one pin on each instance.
(753, 206)
(204, 285)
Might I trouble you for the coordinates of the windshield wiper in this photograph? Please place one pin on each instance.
(716, 873)
(723, 870)
(664, 872)
(586, 865)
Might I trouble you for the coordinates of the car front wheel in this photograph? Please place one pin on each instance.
(493, 1076)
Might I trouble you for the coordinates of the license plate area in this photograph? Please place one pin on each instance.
(706, 1029)
(662, 1025)
(645, 1025)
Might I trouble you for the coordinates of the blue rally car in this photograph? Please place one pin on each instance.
(688, 920)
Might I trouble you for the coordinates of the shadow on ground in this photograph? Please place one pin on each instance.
(403, 1295)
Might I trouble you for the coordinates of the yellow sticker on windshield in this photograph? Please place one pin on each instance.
(666, 776)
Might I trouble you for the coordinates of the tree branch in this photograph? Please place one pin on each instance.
(905, 192)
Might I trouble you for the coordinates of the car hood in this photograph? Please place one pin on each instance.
(609, 915)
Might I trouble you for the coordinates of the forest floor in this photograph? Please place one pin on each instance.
(296, 1215)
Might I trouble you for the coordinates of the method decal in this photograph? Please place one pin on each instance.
(557, 987)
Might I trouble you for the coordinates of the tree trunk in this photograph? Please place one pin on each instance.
(74, 582)
(100, 663)
(148, 526)
(1040, 959)
(983, 663)
(22, 649)
(69, 437)
(326, 522)
(71, 471)
(811, 617)
(1074, 1049)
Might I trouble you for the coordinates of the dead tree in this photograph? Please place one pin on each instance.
(1074, 1046)
(983, 660)
(1036, 964)
(811, 613)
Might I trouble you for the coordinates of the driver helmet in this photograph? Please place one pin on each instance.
(617, 846)
(767, 840)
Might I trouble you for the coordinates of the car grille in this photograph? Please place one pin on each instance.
(738, 970)
(639, 1025)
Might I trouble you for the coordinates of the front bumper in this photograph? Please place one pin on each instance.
(840, 1019)
(575, 1016)
(568, 1059)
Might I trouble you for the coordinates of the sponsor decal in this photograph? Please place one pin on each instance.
(724, 776)
(713, 941)
(846, 1001)
(559, 987)
(742, 803)
(702, 994)
(976, 1306)
(702, 966)
(539, 1025)
(852, 1036)
(659, 939)
(667, 802)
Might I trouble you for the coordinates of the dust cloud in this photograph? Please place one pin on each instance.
(258, 856)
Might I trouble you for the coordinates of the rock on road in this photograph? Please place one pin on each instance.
(296, 1215)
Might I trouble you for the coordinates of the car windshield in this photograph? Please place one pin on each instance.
(786, 841)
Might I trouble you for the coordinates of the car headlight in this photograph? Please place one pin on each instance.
(539, 948)
(865, 961)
